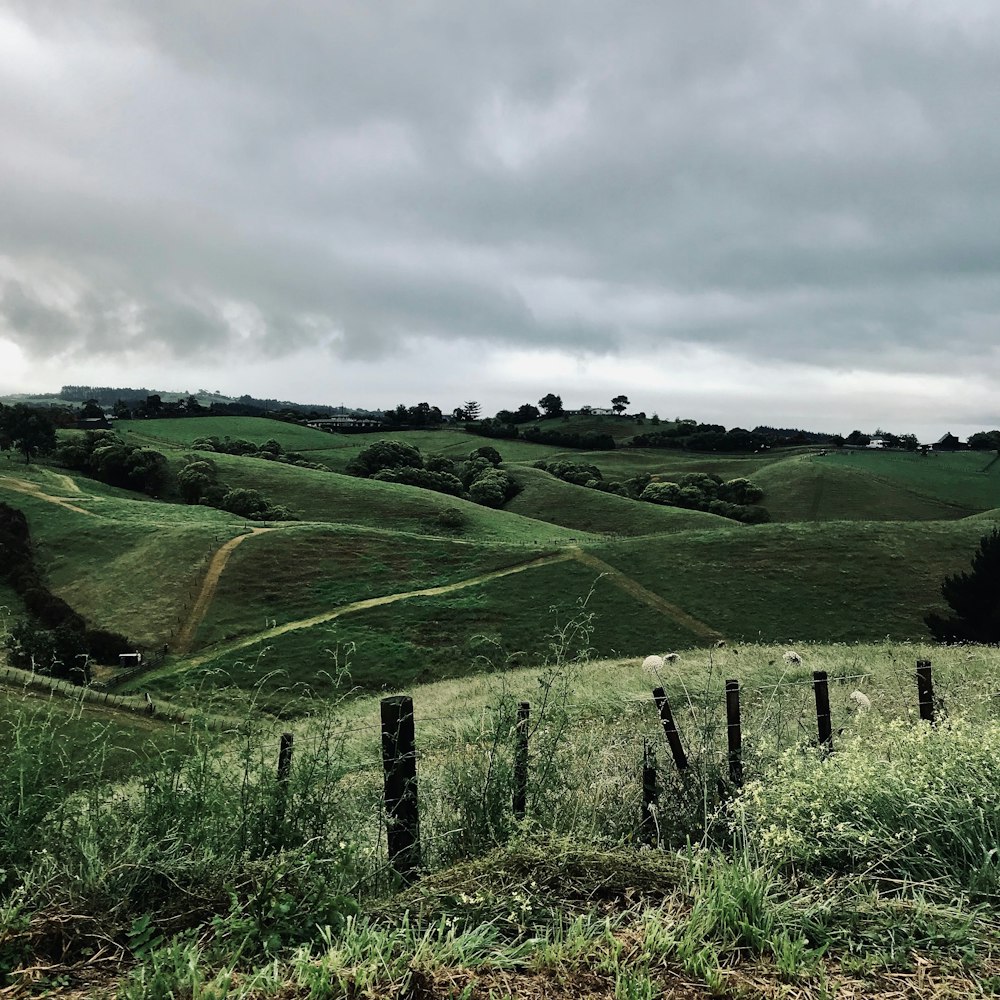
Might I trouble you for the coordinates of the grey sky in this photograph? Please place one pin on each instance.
(752, 212)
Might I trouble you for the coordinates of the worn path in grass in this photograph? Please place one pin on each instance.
(647, 596)
(35, 490)
(209, 586)
(372, 602)
(619, 579)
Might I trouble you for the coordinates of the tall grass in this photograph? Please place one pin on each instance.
(203, 837)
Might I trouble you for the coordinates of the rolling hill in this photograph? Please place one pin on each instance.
(390, 580)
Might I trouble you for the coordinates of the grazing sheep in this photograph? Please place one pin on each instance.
(861, 700)
(720, 644)
(792, 657)
(670, 657)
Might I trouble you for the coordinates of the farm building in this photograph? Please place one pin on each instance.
(948, 443)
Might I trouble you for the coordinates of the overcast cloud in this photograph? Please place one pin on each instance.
(752, 212)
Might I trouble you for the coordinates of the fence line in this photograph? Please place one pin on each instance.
(400, 757)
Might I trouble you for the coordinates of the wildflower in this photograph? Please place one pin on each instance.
(652, 664)
(861, 700)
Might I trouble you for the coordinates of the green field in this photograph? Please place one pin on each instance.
(857, 548)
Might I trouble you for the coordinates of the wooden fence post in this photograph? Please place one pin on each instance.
(647, 818)
(399, 762)
(734, 733)
(521, 761)
(925, 690)
(284, 773)
(670, 729)
(823, 719)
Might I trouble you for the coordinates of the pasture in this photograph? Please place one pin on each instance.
(855, 872)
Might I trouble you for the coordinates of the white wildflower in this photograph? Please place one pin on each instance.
(652, 664)
(792, 657)
(861, 700)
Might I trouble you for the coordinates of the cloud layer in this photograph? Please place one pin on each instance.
(801, 190)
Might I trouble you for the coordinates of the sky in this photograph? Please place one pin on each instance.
(741, 211)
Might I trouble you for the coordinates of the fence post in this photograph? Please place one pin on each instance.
(284, 773)
(925, 690)
(823, 719)
(399, 762)
(734, 733)
(670, 729)
(647, 819)
(521, 761)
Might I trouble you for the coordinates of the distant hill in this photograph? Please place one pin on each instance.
(107, 396)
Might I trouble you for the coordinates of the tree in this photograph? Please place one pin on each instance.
(384, 455)
(471, 410)
(527, 412)
(551, 404)
(985, 441)
(29, 431)
(619, 404)
(91, 410)
(974, 597)
(195, 479)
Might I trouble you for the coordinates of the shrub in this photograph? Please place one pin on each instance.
(439, 482)
(894, 801)
(384, 455)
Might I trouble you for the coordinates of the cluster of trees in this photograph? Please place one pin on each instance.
(907, 442)
(736, 499)
(105, 456)
(419, 415)
(478, 478)
(53, 639)
(270, 450)
(693, 436)
(585, 441)
(198, 483)
(26, 429)
(985, 441)
(590, 476)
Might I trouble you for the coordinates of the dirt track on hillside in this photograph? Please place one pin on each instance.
(647, 596)
(34, 490)
(576, 554)
(208, 588)
(376, 602)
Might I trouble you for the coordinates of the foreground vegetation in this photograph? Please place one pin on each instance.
(190, 870)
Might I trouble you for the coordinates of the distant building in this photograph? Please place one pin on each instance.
(948, 443)
(94, 423)
(342, 421)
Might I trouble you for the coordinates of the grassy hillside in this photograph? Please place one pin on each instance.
(822, 582)
(339, 499)
(547, 498)
(292, 599)
(821, 489)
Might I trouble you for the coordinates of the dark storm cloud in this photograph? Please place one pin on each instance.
(799, 182)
